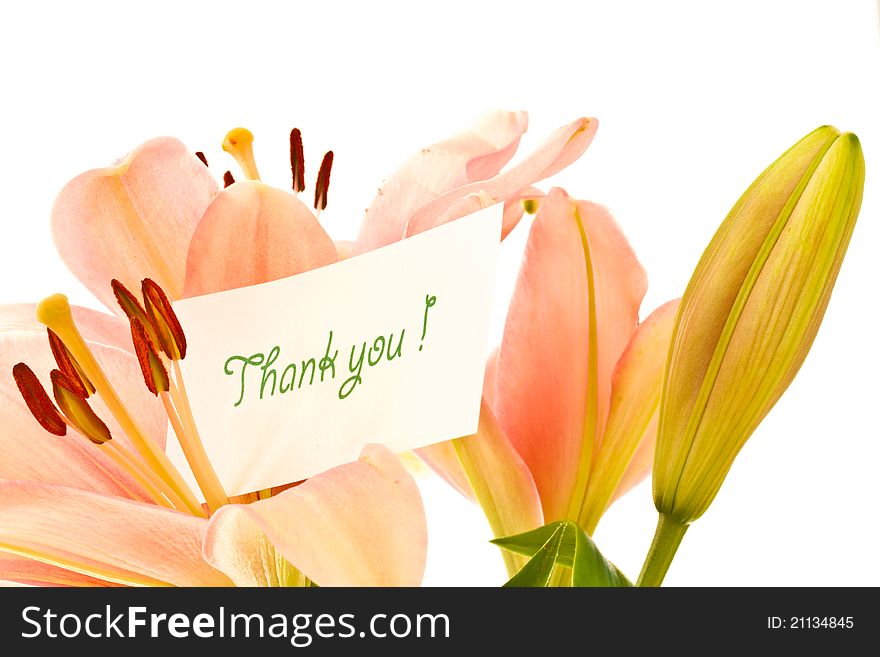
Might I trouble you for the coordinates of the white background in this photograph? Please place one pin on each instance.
(694, 99)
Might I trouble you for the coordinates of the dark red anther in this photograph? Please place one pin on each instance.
(169, 336)
(297, 161)
(68, 365)
(155, 374)
(37, 400)
(77, 409)
(132, 307)
(228, 179)
(127, 301)
(323, 183)
(202, 157)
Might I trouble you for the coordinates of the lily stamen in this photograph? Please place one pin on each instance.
(239, 143)
(169, 333)
(153, 370)
(132, 308)
(322, 185)
(54, 312)
(297, 161)
(149, 484)
(51, 419)
(154, 486)
(37, 400)
(172, 340)
(134, 466)
(196, 457)
(68, 365)
(139, 471)
(180, 401)
(157, 381)
(75, 408)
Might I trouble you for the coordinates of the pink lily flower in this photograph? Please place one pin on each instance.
(570, 401)
(76, 512)
(71, 513)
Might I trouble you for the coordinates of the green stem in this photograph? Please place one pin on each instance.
(667, 538)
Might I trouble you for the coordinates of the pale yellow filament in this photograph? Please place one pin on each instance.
(196, 456)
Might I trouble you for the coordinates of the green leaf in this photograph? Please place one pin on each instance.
(564, 544)
(530, 542)
(539, 568)
(591, 568)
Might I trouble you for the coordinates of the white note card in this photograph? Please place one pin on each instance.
(290, 378)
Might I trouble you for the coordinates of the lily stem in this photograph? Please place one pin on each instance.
(667, 538)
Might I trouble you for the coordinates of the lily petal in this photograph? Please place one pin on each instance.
(500, 479)
(133, 220)
(562, 148)
(632, 420)
(28, 452)
(640, 465)
(490, 379)
(28, 572)
(253, 233)
(476, 154)
(360, 524)
(442, 457)
(108, 538)
(542, 392)
(443, 460)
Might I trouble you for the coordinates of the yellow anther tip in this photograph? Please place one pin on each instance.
(54, 311)
(236, 138)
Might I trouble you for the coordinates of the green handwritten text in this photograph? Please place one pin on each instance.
(266, 373)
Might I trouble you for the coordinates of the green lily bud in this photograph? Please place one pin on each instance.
(750, 314)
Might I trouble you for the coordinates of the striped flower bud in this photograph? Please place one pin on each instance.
(750, 314)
